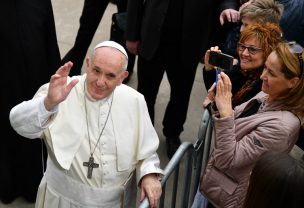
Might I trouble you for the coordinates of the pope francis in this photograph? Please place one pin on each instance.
(98, 133)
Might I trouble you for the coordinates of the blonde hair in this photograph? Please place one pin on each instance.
(290, 66)
(263, 11)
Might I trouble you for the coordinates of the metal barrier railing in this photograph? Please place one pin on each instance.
(196, 159)
(197, 156)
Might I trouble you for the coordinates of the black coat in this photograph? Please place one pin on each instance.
(292, 21)
(195, 26)
(29, 56)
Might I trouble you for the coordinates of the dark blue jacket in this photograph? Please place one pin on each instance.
(292, 21)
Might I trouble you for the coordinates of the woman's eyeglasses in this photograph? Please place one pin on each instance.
(251, 49)
(297, 50)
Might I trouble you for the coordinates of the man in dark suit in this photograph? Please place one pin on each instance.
(29, 56)
(91, 16)
(169, 36)
(89, 21)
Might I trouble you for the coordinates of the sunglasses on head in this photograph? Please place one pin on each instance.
(251, 49)
(297, 50)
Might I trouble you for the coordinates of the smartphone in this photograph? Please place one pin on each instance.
(221, 60)
(217, 72)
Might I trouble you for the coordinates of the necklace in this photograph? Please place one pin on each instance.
(90, 164)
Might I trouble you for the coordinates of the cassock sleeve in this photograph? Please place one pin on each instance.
(30, 118)
(147, 166)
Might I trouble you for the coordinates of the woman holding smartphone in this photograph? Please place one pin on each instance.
(255, 44)
(270, 121)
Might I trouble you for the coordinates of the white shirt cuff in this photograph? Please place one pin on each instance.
(45, 115)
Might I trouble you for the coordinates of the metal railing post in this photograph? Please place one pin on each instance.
(197, 157)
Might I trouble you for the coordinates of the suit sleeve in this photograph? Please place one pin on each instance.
(134, 17)
(147, 145)
(229, 4)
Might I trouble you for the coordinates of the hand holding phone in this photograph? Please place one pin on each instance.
(217, 72)
(221, 60)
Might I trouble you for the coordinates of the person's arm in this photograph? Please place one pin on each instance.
(229, 4)
(134, 18)
(223, 96)
(207, 66)
(150, 173)
(30, 118)
(151, 187)
(59, 87)
(133, 46)
(231, 152)
(229, 11)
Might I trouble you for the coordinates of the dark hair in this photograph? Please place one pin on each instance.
(277, 180)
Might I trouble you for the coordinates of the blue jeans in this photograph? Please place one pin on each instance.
(200, 201)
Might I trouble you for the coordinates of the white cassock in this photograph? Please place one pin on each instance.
(128, 143)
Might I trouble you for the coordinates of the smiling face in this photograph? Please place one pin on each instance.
(274, 82)
(249, 61)
(105, 72)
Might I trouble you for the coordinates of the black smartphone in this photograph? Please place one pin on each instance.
(221, 60)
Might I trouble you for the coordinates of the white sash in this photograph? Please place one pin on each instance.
(82, 194)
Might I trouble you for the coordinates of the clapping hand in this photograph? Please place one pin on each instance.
(58, 86)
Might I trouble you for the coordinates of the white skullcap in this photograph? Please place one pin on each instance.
(112, 44)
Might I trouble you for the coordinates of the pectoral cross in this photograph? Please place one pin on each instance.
(90, 166)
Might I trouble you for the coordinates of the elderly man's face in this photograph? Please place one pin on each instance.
(104, 72)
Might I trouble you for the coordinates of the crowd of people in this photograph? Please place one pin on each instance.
(267, 122)
(108, 146)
